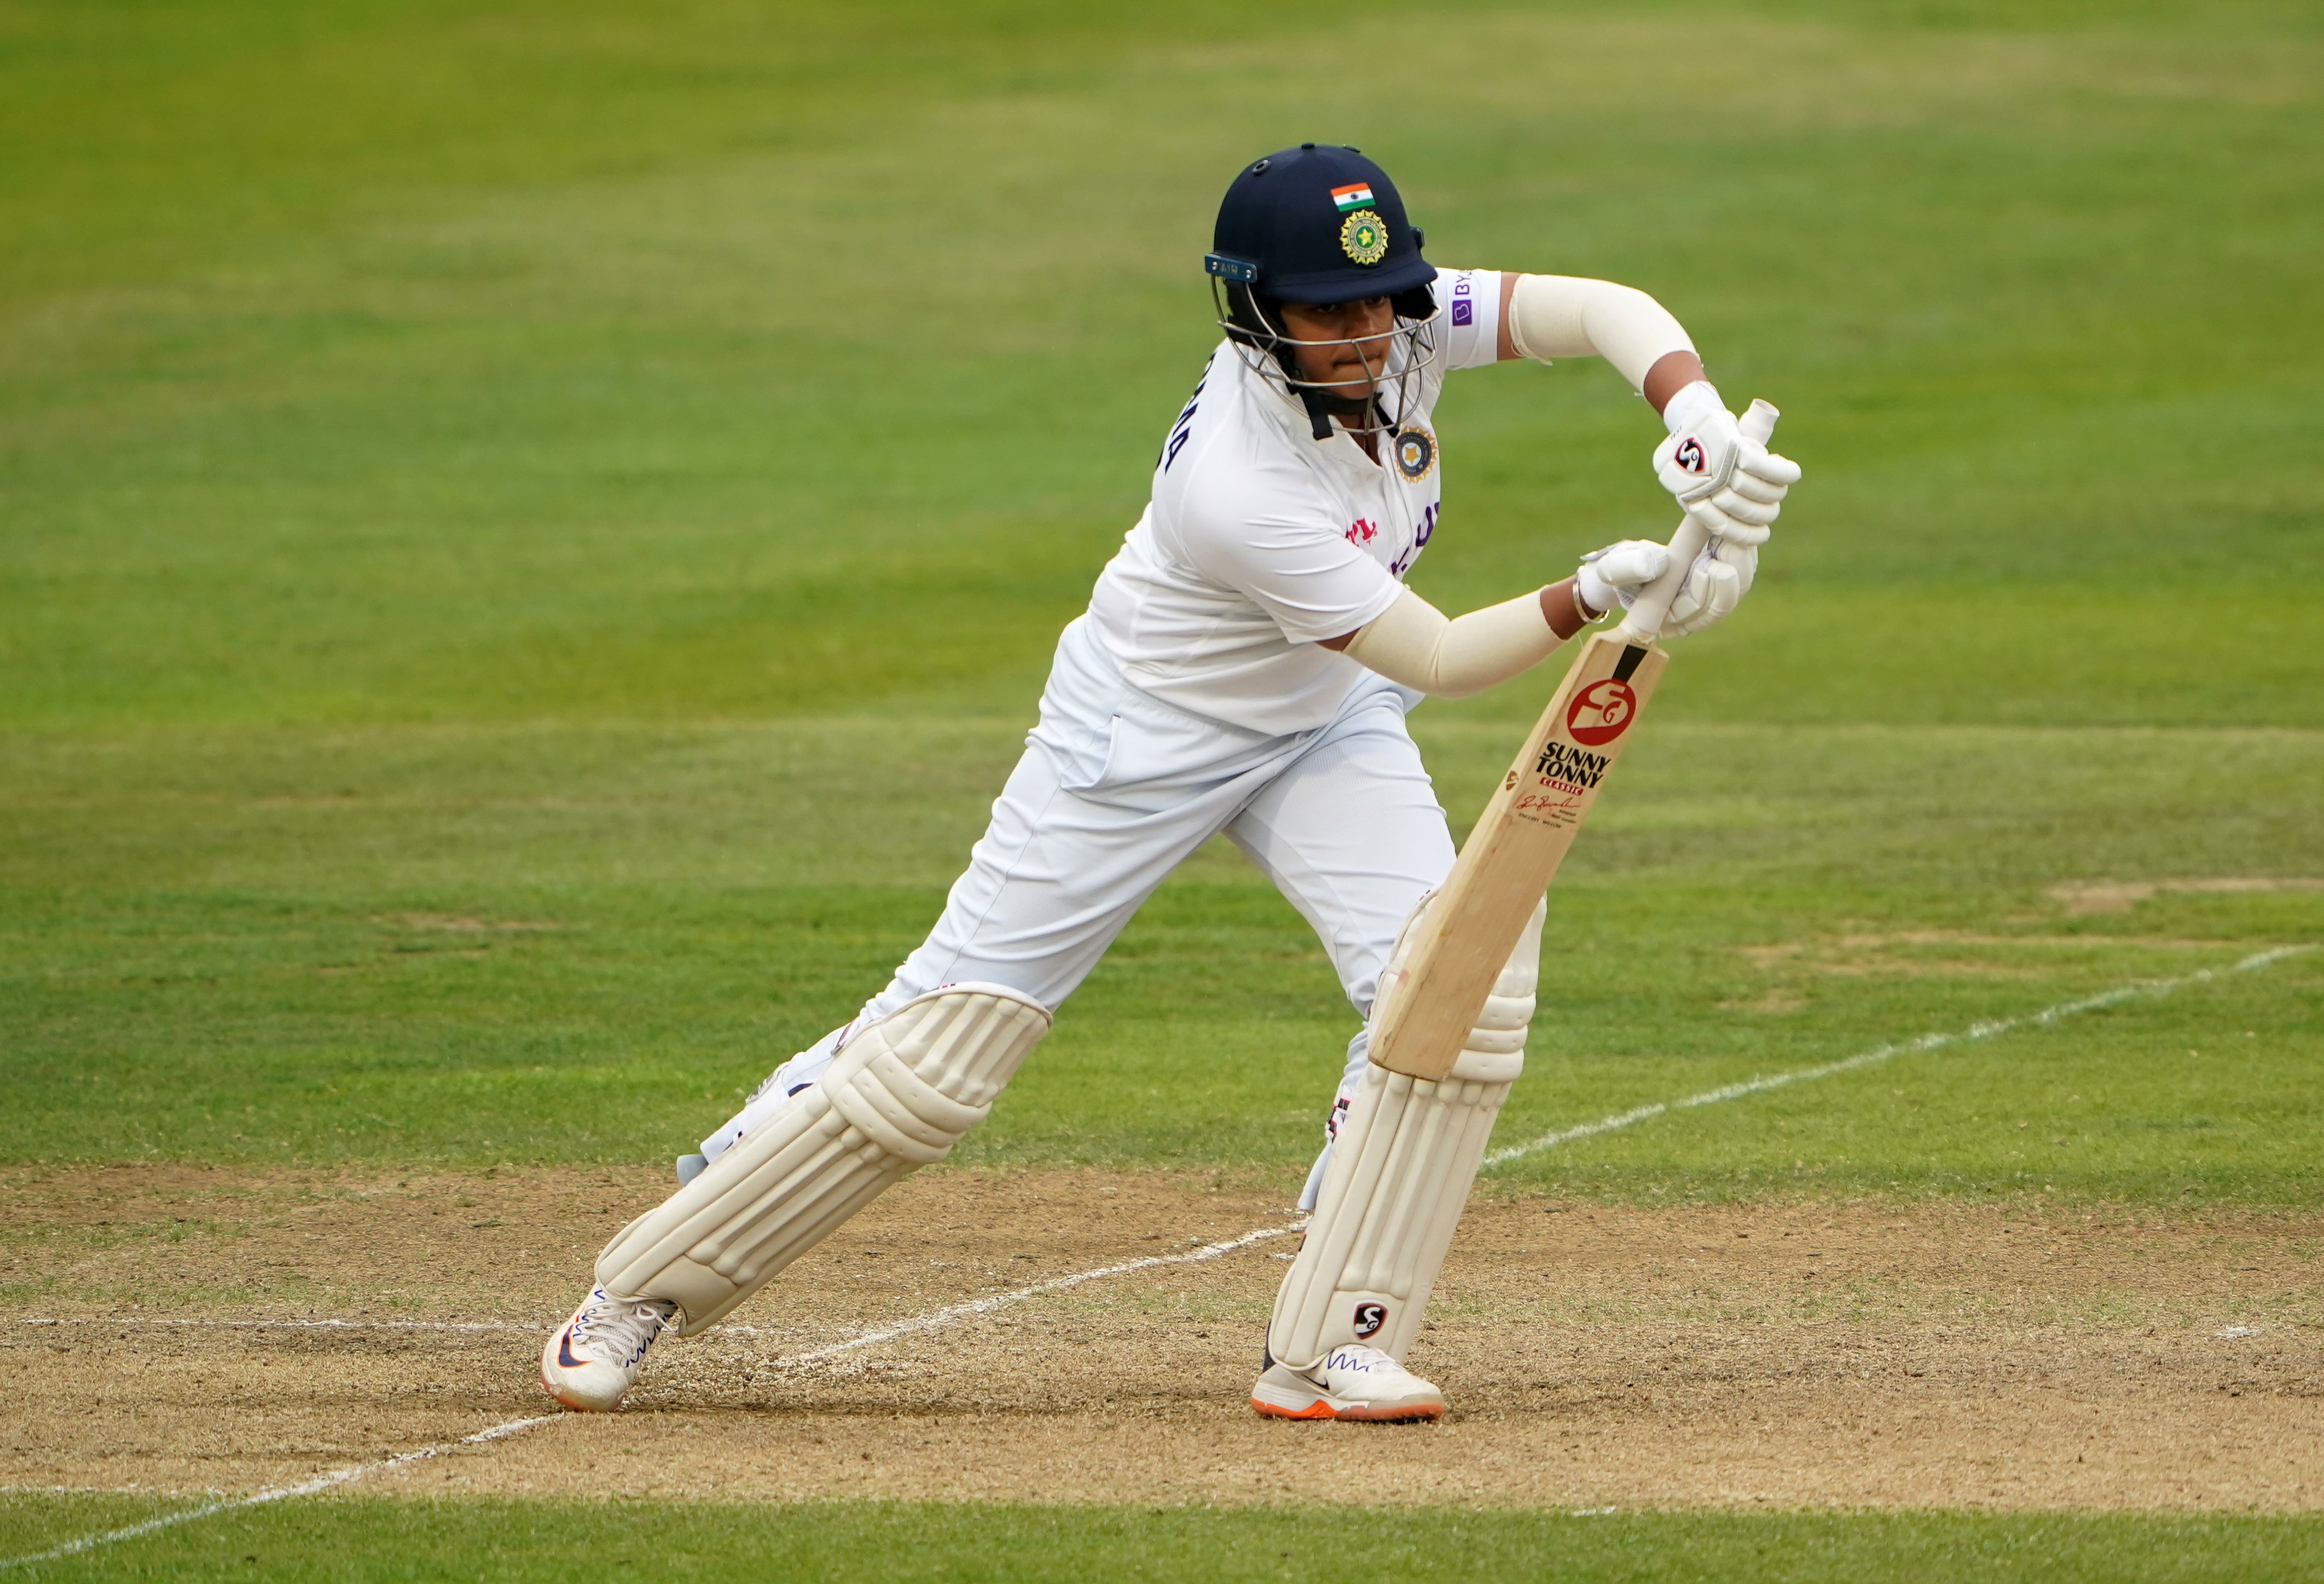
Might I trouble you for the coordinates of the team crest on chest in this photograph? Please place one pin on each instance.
(1416, 453)
(1363, 237)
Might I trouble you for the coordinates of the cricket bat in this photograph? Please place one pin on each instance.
(1435, 994)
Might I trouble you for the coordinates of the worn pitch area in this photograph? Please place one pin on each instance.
(1865, 1354)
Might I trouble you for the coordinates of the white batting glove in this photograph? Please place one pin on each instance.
(1613, 576)
(1714, 586)
(1733, 485)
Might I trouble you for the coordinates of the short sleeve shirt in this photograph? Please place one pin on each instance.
(1261, 539)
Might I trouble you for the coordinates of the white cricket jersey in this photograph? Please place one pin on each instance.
(1261, 539)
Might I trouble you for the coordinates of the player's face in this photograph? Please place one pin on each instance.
(1356, 342)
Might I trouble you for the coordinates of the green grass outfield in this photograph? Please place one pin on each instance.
(529, 536)
(878, 1541)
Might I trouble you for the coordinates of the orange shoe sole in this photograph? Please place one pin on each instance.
(1319, 1409)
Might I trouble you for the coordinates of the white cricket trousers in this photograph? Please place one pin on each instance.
(1115, 788)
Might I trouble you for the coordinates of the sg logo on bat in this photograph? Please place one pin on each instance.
(1601, 712)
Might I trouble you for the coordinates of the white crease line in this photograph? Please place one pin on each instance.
(976, 1306)
(294, 1325)
(98, 1490)
(281, 1493)
(1975, 1031)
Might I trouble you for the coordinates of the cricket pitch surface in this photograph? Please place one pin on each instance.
(167, 1329)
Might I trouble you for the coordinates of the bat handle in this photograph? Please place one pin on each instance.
(1646, 613)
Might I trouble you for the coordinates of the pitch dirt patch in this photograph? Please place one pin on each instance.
(1793, 1354)
(2119, 896)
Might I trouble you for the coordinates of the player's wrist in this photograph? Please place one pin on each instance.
(1594, 595)
(1693, 405)
(1563, 608)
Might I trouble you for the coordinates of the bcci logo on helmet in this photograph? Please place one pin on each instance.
(1369, 1319)
(1363, 238)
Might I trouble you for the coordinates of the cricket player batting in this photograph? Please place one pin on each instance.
(1245, 666)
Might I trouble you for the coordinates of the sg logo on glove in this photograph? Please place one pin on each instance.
(1689, 458)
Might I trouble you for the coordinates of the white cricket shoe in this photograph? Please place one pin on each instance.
(1353, 1382)
(592, 1361)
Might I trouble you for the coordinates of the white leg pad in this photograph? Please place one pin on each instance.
(1395, 1184)
(899, 1094)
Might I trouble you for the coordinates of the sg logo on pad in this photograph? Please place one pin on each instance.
(1371, 1317)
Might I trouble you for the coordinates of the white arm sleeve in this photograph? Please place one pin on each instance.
(1565, 316)
(1414, 643)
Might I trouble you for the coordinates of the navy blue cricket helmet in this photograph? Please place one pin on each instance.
(1319, 224)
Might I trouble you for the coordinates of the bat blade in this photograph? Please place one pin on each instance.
(1435, 994)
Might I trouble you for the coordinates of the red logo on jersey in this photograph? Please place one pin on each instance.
(1601, 712)
(1361, 531)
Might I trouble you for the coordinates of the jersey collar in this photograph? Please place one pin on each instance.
(1289, 418)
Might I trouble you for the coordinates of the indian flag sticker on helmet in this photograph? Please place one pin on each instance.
(1363, 237)
(1357, 197)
